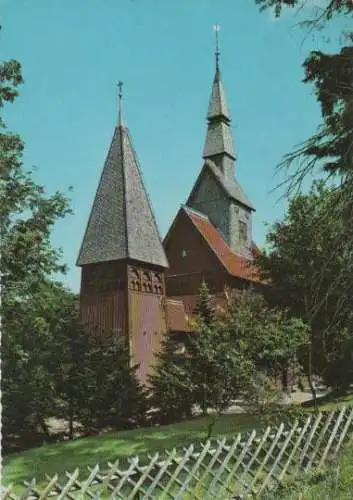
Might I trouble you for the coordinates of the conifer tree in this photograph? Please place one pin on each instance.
(204, 310)
(170, 384)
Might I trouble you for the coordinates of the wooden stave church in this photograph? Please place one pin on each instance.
(138, 286)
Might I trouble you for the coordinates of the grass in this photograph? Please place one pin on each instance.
(80, 453)
(333, 400)
(333, 483)
(67, 456)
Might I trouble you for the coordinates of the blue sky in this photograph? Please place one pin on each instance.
(74, 52)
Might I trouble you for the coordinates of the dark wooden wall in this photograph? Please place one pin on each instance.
(190, 260)
(126, 298)
(147, 315)
(103, 300)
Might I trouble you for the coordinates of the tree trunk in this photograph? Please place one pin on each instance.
(211, 425)
(310, 379)
(287, 394)
(43, 425)
(285, 381)
(71, 420)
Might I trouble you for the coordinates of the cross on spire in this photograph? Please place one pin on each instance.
(216, 28)
(120, 96)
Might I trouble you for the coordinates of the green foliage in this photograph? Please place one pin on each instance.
(205, 312)
(27, 263)
(328, 8)
(310, 276)
(222, 359)
(171, 382)
(113, 396)
(272, 338)
(50, 367)
(220, 369)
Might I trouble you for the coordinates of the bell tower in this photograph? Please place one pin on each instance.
(122, 259)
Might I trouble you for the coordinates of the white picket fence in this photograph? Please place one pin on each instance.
(245, 467)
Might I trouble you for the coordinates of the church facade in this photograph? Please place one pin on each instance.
(138, 286)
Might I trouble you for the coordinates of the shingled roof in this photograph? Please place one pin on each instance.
(230, 186)
(218, 104)
(236, 265)
(121, 224)
(219, 139)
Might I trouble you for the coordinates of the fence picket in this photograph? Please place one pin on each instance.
(267, 456)
(124, 478)
(160, 473)
(332, 436)
(213, 470)
(309, 440)
(253, 459)
(222, 467)
(295, 447)
(245, 450)
(279, 456)
(319, 441)
(193, 470)
(49, 487)
(344, 432)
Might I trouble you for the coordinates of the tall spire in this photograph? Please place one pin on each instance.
(121, 224)
(219, 143)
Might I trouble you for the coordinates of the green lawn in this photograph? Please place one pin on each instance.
(67, 456)
(333, 483)
(332, 401)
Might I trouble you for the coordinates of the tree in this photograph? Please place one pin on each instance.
(170, 383)
(330, 149)
(272, 338)
(204, 309)
(329, 153)
(308, 276)
(220, 369)
(113, 396)
(69, 351)
(324, 12)
(27, 263)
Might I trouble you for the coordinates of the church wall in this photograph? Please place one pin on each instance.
(104, 313)
(147, 318)
(210, 200)
(240, 214)
(103, 298)
(190, 260)
(147, 327)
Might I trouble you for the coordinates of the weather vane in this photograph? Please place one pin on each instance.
(120, 95)
(216, 28)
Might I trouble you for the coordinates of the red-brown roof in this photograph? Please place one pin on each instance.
(236, 265)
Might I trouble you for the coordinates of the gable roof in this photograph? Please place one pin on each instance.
(230, 187)
(121, 224)
(235, 265)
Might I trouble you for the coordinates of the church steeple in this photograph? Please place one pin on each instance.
(219, 143)
(121, 224)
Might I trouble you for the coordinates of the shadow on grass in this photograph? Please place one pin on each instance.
(331, 400)
(57, 458)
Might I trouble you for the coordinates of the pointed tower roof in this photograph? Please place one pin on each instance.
(219, 138)
(121, 224)
(218, 103)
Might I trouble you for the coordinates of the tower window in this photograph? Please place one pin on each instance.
(243, 233)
